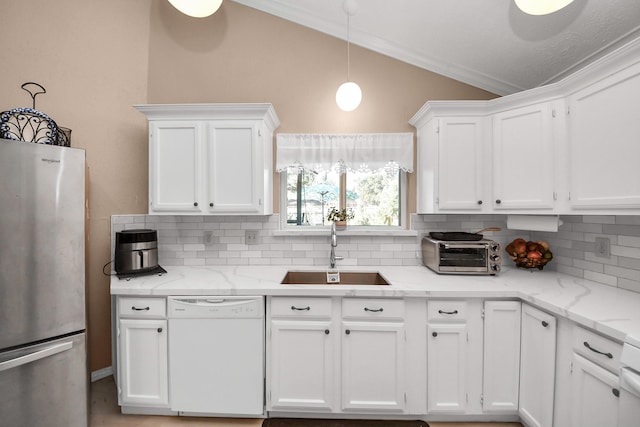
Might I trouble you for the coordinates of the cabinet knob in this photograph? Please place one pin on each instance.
(498, 201)
(195, 204)
(326, 332)
(347, 332)
(545, 324)
(159, 330)
(434, 334)
(615, 392)
(479, 202)
(211, 204)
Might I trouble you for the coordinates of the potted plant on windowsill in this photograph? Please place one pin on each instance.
(340, 216)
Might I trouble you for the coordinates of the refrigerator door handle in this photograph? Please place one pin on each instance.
(36, 355)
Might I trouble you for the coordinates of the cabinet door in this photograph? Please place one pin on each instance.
(446, 368)
(603, 141)
(594, 397)
(373, 366)
(301, 365)
(523, 158)
(143, 377)
(501, 356)
(234, 171)
(537, 367)
(175, 166)
(460, 165)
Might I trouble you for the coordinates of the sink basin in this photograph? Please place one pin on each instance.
(346, 278)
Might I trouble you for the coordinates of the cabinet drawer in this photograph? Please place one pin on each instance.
(592, 346)
(301, 307)
(447, 310)
(142, 307)
(372, 308)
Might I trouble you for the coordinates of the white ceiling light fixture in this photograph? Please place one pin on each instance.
(349, 94)
(541, 7)
(197, 8)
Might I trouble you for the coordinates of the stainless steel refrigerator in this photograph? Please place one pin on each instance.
(43, 357)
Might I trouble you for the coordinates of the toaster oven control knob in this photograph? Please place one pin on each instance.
(495, 267)
(495, 247)
(494, 257)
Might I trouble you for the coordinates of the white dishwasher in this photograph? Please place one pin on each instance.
(216, 355)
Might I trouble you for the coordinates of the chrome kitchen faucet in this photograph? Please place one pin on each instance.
(334, 242)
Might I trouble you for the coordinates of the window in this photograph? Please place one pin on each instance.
(356, 171)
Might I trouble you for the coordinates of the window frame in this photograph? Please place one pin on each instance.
(402, 209)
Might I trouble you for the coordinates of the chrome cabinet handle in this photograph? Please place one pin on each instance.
(448, 312)
(134, 308)
(609, 355)
(293, 307)
(374, 310)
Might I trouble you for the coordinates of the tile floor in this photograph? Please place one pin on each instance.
(106, 413)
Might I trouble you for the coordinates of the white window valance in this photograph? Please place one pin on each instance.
(354, 152)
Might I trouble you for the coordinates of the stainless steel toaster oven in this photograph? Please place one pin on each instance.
(461, 257)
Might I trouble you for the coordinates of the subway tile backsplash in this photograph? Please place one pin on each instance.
(220, 240)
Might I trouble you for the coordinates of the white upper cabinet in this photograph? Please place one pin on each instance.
(604, 143)
(175, 166)
(565, 148)
(211, 158)
(460, 146)
(523, 158)
(451, 170)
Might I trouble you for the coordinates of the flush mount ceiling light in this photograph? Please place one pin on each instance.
(349, 94)
(541, 7)
(197, 8)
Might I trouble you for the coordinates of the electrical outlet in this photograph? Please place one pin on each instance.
(208, 237)
(251, 237)
(602, 247)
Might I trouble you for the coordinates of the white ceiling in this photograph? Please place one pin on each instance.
(490, 44)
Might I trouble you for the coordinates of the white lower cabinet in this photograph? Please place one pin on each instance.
(301, 359)
(336, 355)
(142, 353)
(372, 349)
(537, 367)
(501, 356)
(594, 396)
(595, 390)
(454, 356)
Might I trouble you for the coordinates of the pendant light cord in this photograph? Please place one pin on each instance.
(348, 49)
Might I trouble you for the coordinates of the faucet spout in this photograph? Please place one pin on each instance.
(334, 243)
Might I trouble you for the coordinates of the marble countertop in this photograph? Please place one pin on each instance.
(612, 311)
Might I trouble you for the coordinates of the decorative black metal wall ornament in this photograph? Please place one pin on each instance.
(30, 125)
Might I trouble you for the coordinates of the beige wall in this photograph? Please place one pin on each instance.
(91, 56)
(97, 58)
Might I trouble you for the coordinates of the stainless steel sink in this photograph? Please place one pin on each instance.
(346, 278)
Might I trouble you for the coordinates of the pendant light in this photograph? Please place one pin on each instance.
(541, 7)
(197, 8)
(349, 94)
